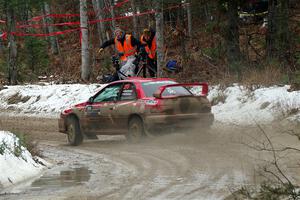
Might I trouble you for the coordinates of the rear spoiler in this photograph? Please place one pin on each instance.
(161, 89)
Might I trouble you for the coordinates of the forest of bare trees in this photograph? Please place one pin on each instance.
(210, 39)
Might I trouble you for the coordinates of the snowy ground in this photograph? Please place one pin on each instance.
(264, 105)
(16, 163)
(44, 101)
(233, 105)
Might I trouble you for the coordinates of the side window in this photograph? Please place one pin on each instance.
(109, 93)
(128, 92)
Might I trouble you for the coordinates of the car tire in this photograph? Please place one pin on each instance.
(135, 130)
(74, 135)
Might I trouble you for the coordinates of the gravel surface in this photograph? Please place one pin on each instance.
(192, 165)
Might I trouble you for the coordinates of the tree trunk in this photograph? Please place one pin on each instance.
(100, 25)
(1, 45)
(271, 33)
(134, 18)
(159, 36)
(189, 18)
(12, 58)
(284, 38)
(182, 36)
(44, 21)
(85, 66)
(232, 37)
(112, 12)
(207, 11)
(277, 38)
(53, 39)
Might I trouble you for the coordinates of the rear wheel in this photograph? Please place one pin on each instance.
(135, 130)
(73, 132)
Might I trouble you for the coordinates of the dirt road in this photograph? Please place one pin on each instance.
(196, 165)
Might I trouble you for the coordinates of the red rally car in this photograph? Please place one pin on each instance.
(137, 107)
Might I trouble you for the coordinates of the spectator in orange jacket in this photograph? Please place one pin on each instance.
(148, 39)
(127, 46)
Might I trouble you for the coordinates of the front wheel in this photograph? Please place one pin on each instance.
(135, 130)
(75, 137)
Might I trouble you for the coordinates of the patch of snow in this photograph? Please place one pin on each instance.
(14, 168)
(45, 101)
(264, 105)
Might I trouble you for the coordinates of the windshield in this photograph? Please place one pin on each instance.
(151, 87)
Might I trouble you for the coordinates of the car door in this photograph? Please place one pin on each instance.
(124, 106)
(99, 113)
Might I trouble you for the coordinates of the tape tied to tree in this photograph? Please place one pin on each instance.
(4, 35)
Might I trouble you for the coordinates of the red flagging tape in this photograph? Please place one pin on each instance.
(3, 36)
(45, 25)
(39, 18)
(46, 34)
(76, 23)
(106, 9)
(90, 22)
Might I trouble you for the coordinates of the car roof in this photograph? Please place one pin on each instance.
(143, 80)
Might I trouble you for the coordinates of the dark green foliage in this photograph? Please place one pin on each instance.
(269, 191)
(33, 59)
(3, 67)
(214, 52)
(275, 192)
(296, 40)
(25, 141)
(17, 148)
(36, 57)
(19, 3)
(18, 145)
(295, 77)
(3, 146)
(21, 141)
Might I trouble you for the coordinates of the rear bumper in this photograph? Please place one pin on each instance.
(179, 120)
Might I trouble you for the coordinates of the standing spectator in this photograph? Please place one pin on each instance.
(148, 39)
(127, 46)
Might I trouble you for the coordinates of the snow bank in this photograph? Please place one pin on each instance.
(44, 101)
(16, 163)
(263, 105)
(241, 106)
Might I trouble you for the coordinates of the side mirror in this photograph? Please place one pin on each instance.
(91, 99)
